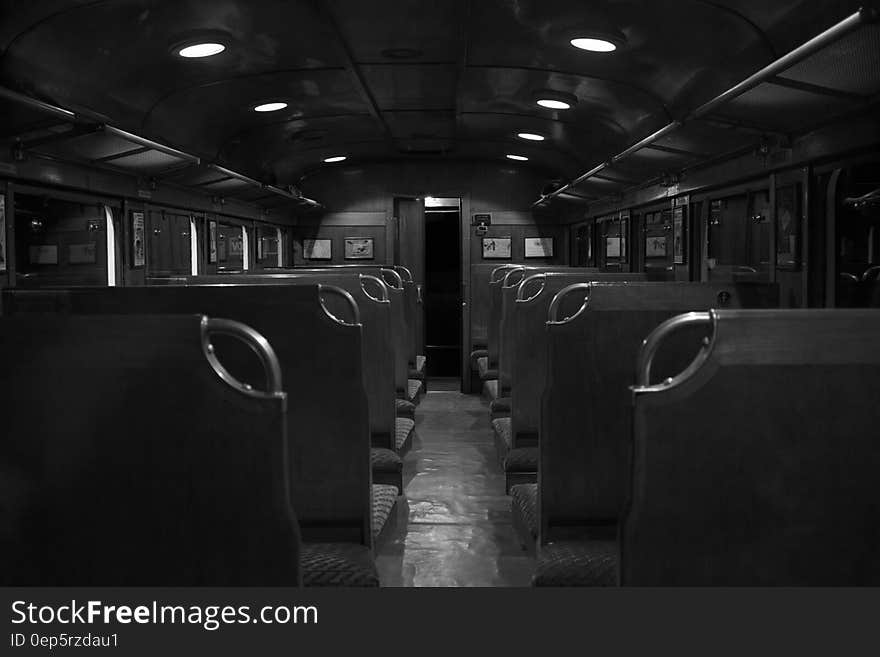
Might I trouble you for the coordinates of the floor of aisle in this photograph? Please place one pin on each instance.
(452, 526)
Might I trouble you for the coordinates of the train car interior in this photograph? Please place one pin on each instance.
(545, 293)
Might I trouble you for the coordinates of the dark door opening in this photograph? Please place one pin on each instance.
(443, 288)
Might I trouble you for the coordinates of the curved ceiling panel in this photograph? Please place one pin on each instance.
(204, 118)
(117, 58)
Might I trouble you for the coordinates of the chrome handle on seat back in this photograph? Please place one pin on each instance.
(256, 342)
(395, 275)
(332, 289)
(652, 343)
(506, 282)
(553, 312)
(386, 298)
(492, 278)
(406, 270)
(871, 272)
(525, 283)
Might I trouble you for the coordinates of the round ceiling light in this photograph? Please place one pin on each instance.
(594, 44)
(555, 100)
(335, 158)
(270, 107)
(531, 136)
(518, 158)
(199, 50)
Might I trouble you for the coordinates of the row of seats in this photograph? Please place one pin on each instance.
(685, 433)
(150, 446)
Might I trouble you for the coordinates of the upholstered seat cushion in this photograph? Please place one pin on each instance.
(413, 389)
(587, 562)
(501, 427)
(405, 408)
(524, 506)
(484, 370)
(385, 460)
(337, 564)
(521, 459)
(490, 389)
(384, 499)
(404, 431)
(501, 405)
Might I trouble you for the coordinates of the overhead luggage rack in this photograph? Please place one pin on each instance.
(47, 131)
(826, 77)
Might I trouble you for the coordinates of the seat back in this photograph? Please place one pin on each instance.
(130, 457)
(757, 463)
(586, 411)
(524, 347)
(320, 356)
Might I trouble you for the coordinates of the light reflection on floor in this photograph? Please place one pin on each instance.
(452, 527)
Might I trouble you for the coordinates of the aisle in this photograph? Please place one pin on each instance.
(453, 524)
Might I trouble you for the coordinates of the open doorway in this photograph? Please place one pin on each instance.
(442, 300)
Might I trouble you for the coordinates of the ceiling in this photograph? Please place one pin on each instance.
(397, 79)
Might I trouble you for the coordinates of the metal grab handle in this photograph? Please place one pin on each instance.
(492, 278)
(382, 286)
(338, 291)
(520, 292)
(405, 270)
(871, 271)
(849, 277)
(553, 312)
(419, 294)
(256, 342)
(506, 281)
(396, 276)
(652, 343)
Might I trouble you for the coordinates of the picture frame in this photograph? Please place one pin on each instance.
(655, 246)
(359, 248)
(138, 240)
(43, 254)
(317, 249)
(539, 247)
(212, 242)
(3, 256)
(497, 248)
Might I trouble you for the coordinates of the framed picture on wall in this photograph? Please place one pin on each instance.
(678, 244)
(138, 240)
(358, 248)
(2, 232)
(317, 249)
(495, 248)
(212, 242)
(539, 247)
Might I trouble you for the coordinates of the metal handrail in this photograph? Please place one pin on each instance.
(492, 278)
(520, 298)
(652, 343)
(338, 291)
(553, 311)
(386, 297)
(394, 274)
(256, 342)
(822, 40)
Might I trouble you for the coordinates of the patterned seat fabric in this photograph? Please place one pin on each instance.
(405, 408)
(500, 405)
(587, 562)
(385, 460)
(418, 372)
(405, 429)
(337, 564)
(384, 499)
(414, 388)
(486, 373)
(490, 389)
(501, 427)
(524, 505)
(521, 459)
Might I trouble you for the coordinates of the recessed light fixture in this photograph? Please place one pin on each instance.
(531, 136)
(594, 44)
(555, 100)
(518, 158)
(335, 158)
(199, 50)
(270, 107)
